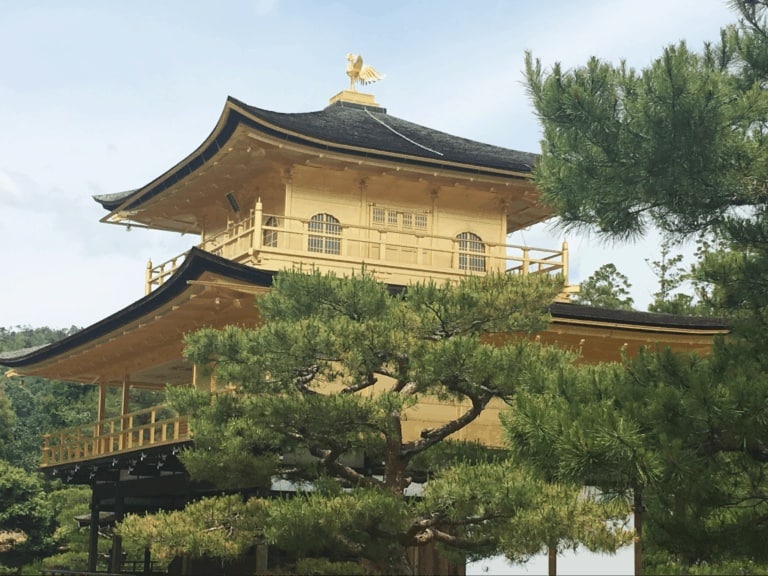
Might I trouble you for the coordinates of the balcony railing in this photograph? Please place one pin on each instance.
(395, 255)
(147, 428)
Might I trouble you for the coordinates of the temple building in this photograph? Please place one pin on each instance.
(340, 189)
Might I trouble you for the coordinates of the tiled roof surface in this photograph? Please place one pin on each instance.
(373, 129)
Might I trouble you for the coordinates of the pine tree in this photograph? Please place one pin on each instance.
(680, 145)
(325, 395)
(605, 288)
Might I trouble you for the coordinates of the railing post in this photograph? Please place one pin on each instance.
(60, 454)
(46, 449)
(526, 261)
(129, 432)
(152, 426)
(258, 235)
(148, 278)
(565, 263)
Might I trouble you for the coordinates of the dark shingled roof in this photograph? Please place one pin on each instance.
(350, 129)
(373, 129)
(570, 311)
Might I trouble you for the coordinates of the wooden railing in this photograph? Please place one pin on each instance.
(274, 242)
(143, 429)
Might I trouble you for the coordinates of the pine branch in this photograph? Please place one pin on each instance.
(329, 460)
(369, 381)
(432, 436)
(426, 530)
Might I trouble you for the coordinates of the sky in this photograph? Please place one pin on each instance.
(101, 97)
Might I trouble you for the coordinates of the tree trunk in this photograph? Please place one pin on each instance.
(552, 560)
(637, 509)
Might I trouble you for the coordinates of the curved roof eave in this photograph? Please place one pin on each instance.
(198, 262)
(327, 132)
(195, 264)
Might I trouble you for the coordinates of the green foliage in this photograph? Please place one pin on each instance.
(605, 288)
(72, 541)
(223, 527)
(621, 149)
(26, 517)
(537, 514)
(680, 145)
(686, 433)
(324, 396)
(21, 337)
(7, 423)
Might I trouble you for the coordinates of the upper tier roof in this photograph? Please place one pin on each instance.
(357, 131)
(372, 129)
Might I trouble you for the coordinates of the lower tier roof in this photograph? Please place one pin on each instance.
(143, 342)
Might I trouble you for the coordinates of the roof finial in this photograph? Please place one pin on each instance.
(359, 73)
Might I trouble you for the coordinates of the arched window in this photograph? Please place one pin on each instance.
(471, 252)
(324, 234)
(269, 237)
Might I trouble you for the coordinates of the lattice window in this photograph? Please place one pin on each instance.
(401, 219)
(269, 237)
(471, 252)
(324, 234)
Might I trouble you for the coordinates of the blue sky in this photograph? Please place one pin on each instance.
(100, 97)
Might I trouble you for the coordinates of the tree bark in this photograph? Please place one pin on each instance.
(637, 508)
(552, 560)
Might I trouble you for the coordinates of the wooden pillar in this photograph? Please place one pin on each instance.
(258, 214)
(93, 532)
(147, 561)
(116, 556)
(262, 559)
(124, 410)
(101, 444)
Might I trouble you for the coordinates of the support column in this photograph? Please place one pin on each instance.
(124, 408)
(125, 434)
(262, 558)
(101, 446)
(116, 556)
(93, 532)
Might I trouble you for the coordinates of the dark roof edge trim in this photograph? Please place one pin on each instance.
(569, 311)
(195, 264)
(236, 113)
